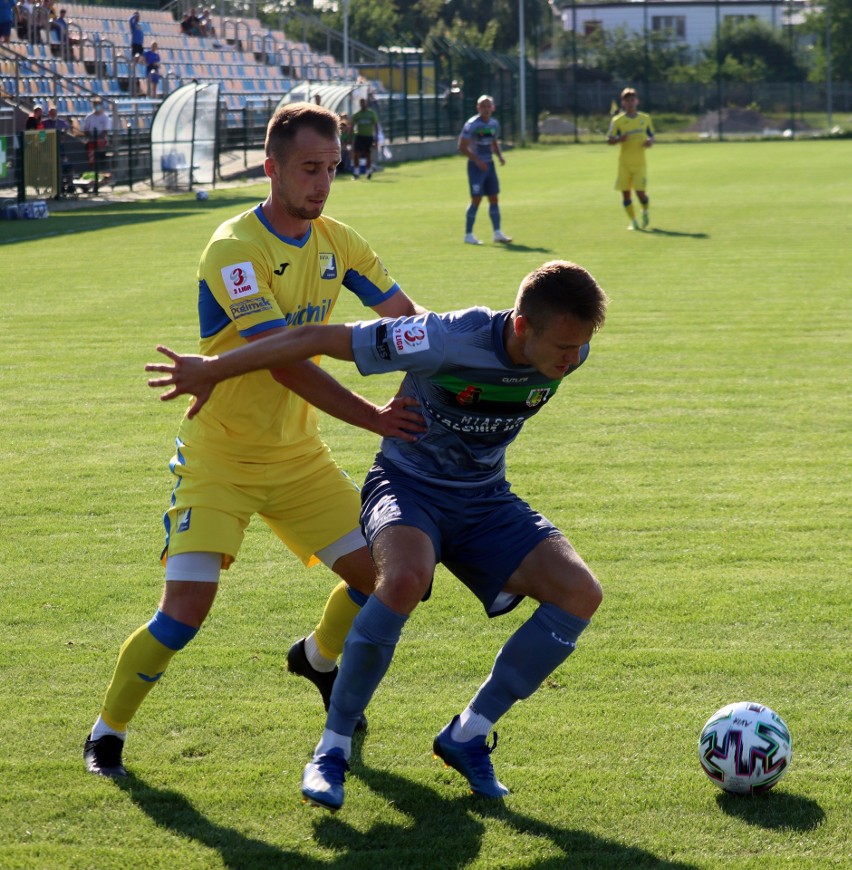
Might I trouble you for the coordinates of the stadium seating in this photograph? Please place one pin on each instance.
(254, 64)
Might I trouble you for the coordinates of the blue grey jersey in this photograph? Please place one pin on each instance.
(482, 134)
(473, 398)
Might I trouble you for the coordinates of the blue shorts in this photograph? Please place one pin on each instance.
(483, 182)
(481, 534)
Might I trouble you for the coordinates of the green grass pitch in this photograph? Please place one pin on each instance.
(700, 461)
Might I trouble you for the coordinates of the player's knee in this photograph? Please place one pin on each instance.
(626, 201)
(580, 592)
(402, 588)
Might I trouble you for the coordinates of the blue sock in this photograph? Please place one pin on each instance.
(356, 597)
(494, 214)
(367, 655)
(530, 655)
(470, 218)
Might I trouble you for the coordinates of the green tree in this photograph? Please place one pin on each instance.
(629, 57)
(840, 35)
(752, 51)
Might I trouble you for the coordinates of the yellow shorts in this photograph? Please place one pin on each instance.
(631, 175)
(309, 502)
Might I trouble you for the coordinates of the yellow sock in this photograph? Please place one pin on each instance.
(140, 665)
(336, 621)
(631, 211)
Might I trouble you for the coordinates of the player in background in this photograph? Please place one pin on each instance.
(479, 141)
(256, 448)
(632, 130)
(365, 126)
(477, 376)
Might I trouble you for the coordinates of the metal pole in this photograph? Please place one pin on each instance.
(828, 94)
(346, 38)
(522, 52)
(719, 68)
(574, 66)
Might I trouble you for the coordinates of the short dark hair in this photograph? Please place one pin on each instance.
(558, 288)
(289, 119)
(629, 92)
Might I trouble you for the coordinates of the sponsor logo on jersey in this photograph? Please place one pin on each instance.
(410, 339)
(240, 280)
(469, 395)
(308, 313)
(515, 380)
(537, 396)
(382, 348)
(328, 267)
(250, 306)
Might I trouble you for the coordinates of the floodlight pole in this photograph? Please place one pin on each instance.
(522, 53)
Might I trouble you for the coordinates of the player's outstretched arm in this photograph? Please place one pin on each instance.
(191, 374)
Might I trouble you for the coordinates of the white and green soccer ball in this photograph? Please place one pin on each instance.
(745, 748)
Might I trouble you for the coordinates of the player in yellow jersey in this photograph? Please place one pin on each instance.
(256, 448)
(633, 131)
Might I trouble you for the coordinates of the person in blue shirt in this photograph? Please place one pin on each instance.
(137, 35)
(7, 19)
(152, 69)
(480, 143)
(477, 376)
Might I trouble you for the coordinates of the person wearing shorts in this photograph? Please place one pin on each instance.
(256, 448)
(477, 375)
(633, 131)
(480, 143)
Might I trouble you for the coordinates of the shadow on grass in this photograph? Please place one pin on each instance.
(656, 231)
(775, 810)
(173, 812)
(447, 833)
(121, 214)
(518, 247)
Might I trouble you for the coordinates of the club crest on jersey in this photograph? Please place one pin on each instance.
(240, 280)
(328, 267)
(469, 395)
(537, 396)
(410, 339)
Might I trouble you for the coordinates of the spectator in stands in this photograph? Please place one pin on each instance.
(59, 34)
(152, 69)
(191, 23)
(97, 126)
(7, 19)
(206, 24)
(63, 128)
(23, 8)
(35, 121)
(137, 35)
(54, 122)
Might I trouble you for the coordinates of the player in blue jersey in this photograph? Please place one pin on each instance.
(477, 376)
(256, 449)
(480, 143)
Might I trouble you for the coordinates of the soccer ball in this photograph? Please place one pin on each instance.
(745, 748)
(201, 194)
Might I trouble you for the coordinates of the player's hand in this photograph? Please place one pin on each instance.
(502, 160)
(185, 375)
(397, 419)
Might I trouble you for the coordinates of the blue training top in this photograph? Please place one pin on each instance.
(473, 398)
(482, 134)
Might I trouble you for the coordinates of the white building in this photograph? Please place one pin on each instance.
(691, 21)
